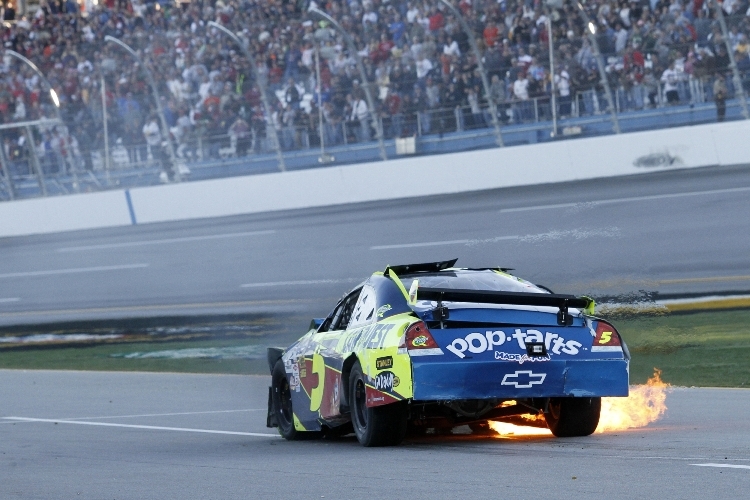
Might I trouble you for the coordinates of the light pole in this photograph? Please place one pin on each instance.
(362, 75)
(485, 81)
(155, 90)
(732, 63)
(591, 29)
(321, 36)
(552, 75)
(52, 93)
(261, 85)
(27, 129)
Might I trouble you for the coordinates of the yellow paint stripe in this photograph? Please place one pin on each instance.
(710, 304)
(705, 280)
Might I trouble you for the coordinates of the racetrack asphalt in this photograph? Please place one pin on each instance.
(133, 435)
(671, 232)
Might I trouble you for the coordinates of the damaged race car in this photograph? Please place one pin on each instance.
(432, 346)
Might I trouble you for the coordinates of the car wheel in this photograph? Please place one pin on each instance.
(377, 426)
(570, 417)
(282, 403)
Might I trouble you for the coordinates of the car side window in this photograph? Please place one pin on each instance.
(364, 309)
(344, 315)
(340, 316)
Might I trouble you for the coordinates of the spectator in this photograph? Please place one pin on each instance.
(670, 78)
(720, 97)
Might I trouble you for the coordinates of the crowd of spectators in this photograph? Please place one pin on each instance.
(418, 63)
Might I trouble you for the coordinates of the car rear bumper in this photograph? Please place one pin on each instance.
(436, 381)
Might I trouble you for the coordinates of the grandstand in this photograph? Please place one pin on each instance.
(664, 64)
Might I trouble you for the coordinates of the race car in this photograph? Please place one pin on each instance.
(433, 346)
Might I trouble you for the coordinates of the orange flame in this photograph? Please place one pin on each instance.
(645, 404)
(506, 430)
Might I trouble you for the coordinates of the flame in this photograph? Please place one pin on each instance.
(645, 404)
(506, 430)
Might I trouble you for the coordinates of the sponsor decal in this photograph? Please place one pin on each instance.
(368, 337)
(477, 343)
(383, 309)
(384, 363)
(386, 381)
(419, 341)
(519, 358)
(656, 160)
(294, 383)
(523, 379)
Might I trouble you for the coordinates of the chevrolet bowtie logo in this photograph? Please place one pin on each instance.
(524, 379)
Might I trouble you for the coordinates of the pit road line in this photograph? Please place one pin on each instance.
(164, 241)
(74, 270)
(148, 427)
(626, 200)
(10, 299)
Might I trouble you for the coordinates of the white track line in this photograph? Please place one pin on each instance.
(74, 270)
(300, 282)
(425, 244)
(164, 241)
(166, 414)
(148, 427)
(724, 466)
(577, 234)
(10, 299)
(626, 200)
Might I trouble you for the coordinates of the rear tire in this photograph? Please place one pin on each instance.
(374, 426)
(573, 417)
(281, 395)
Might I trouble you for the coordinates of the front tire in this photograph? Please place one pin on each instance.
(573, 417)
(374, 426)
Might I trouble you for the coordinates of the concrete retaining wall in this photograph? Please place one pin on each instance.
(634, 153)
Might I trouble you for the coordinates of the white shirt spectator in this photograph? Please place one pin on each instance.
(451, 49)
(151, 133)
(621, 40)
(562, 83)
(669, 78)
(521, 89)
(369, 16)
(424, 66)
(359, 110)
(411, 14)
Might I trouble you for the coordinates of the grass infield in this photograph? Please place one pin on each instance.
(692, 349)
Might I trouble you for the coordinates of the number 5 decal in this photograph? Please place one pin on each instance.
(606, 337)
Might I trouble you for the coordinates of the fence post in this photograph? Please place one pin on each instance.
(6, 171)
(35, 159)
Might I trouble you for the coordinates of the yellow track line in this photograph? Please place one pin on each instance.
(710, 304)
(705, 280)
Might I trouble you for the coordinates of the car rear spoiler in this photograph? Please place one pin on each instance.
(562, 302)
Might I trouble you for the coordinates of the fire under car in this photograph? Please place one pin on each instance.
(434, 346)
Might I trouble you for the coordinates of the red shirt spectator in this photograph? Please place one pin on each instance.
(491, 34)
(437, 20)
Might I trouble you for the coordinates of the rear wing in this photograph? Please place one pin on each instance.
(562, 302)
